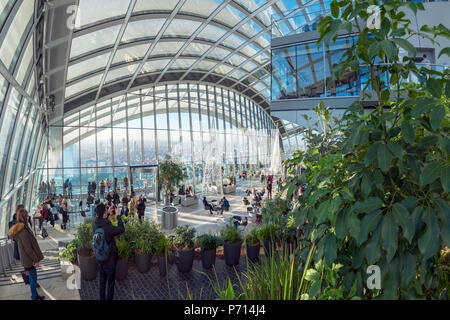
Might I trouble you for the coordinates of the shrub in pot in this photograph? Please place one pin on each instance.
(253, 245)
(86, 258)
(268, 234)
(232, 244)
(143, 254)
(161, 249)
(287, 233)
(124, 253)
(183, 240)
(208, 245)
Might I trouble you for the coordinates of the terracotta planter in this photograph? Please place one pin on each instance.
(88, 267)
(143, 262)
(208, 258)
(253, 252)
(162, 265)
(122, 269)
(185, 260)
(232, 252)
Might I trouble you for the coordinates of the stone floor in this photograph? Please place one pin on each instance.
(195, 284)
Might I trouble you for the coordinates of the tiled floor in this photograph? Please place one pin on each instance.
(137, 286)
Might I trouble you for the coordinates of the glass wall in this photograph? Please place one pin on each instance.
(307, 71)
(22, 138)
(142, 127)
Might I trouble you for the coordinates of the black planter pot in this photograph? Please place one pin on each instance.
(269, 246)
(122, 269)
(162, 265)
(232, 252)
(88, 267)
(253, 252)
(143, 262)
(288, 248)
(208, 258)
(185, 260)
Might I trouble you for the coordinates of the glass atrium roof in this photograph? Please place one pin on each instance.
(224, 42)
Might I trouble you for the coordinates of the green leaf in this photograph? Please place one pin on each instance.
(405, 44)
(373, 250)
(389, 48)
(371, 153)
(428, 242)
(430, 172)
(445, 51)
(330, 249)
(373, 50)
(434, 88)
(384, 157)
(353, 224)
(341, 224)
(322, 212)
(347, 194)
(422, 106)
(334, 9)
(312, 275)
(396, 149)
(366, 183)
(437, 115)
(442, 209)
(427, 142)
(403, 218)
(368, 205)
(407, 132)
(445, 177)
(389, 234)
(408, 273)
(447, 88)
(368, 224)
(378, 179)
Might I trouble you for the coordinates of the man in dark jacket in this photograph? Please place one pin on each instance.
(107, 268)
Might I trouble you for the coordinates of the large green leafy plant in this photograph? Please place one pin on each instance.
(381, 198)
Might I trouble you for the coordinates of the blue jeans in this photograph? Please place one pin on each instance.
(32, 274)
(106, 276)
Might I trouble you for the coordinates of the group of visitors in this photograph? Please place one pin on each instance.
(49, 209)
(182, 192)
(49, 188)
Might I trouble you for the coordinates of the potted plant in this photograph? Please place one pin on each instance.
(232, 244)
(171, 174)
(161, 250)
(85, 254)
(143, 254)
(288, 235)
(123, 248)
(268, 233)
(253, 245)
(184, 236)
(208, 245)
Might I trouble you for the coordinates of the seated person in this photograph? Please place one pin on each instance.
(245, 222)
(248, 192)
(207, 206)
(245, 201)
(258, 215)
(237, 220)
(181, 191)
(224, 204)
(190, 192)
(262, 192)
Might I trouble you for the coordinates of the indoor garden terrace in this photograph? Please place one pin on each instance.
(224, 150)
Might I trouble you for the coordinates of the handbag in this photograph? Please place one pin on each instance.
(25, 277)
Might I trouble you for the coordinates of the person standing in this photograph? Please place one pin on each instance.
(53, 188)
(69, 188)
(115, 184)
(269, 189)
(94, 187)
(132, 206)
(65, 214)
(102, 189)
(141, 208)
(108, 184)
(89, 188)
(116, 198)
(125, 183)
(29, 251)
(105, 232)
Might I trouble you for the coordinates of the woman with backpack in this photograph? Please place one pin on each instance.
(141, 208)
(29, 251)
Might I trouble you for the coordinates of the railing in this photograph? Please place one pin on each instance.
(297, 24)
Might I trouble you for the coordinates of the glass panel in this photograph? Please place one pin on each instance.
(142, 29)
(200, 7)
(230, 16)
(284, 81)
(78, 87)
(134, 136)
(154, 65)
(120, 147)
(87, 147)
(149, 147)
(145, 5)
(166, 48)
(211, 33)
(94, 41)
(310, 70)
(196, 49)
(25, 63)
(90, 11)
(16, 34)
(129, 54)
(104, 147)
(182, 64)
(96, 63)
(119, 73)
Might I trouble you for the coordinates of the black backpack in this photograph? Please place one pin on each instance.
(44, 233)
